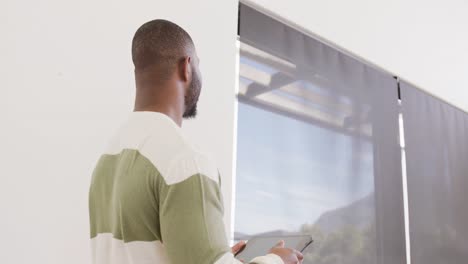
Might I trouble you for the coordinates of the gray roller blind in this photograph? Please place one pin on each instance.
(436, 136)
(318, 124)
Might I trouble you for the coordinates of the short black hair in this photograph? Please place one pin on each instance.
(160, 43)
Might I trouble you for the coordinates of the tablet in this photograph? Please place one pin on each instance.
(260, 245)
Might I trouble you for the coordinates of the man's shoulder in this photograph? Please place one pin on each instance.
(167, 148)
(191, 162)
(176, 158)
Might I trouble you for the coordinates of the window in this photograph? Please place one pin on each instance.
(296, 172)
(311, 157)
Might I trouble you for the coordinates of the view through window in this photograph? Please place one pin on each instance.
(304, 160)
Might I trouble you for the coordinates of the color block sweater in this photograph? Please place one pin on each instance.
(154, 198)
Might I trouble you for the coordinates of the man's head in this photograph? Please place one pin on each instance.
(164, 55)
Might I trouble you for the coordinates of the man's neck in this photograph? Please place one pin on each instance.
(166, 98)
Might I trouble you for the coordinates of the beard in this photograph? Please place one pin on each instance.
(191, 98)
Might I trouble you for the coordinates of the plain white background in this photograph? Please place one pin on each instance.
(67, 83)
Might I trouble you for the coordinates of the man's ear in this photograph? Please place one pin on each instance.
(186, 69)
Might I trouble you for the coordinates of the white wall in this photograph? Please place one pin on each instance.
(422, 41)
(66, 84)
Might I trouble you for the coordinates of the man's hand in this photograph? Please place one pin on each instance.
(288, 255)
(238, 247)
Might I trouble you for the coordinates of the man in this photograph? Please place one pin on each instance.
(155, 198)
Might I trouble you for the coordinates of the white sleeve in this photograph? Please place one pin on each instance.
(228, 258)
